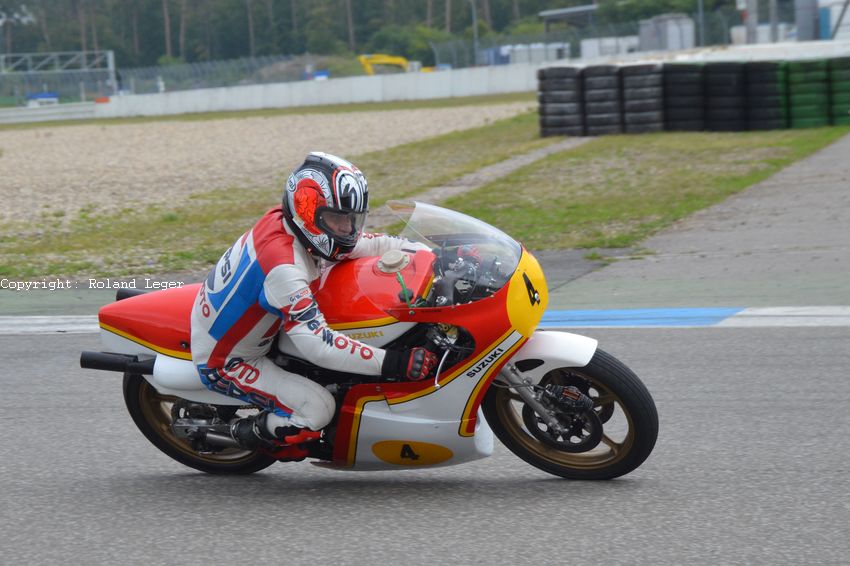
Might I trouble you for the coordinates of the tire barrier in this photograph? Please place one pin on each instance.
(643, 98)
(603, 100)
(560, 94)
(767, 95)
(714, 96)
(684, 99)
(839, 91)
(725, 97)
(808, 93)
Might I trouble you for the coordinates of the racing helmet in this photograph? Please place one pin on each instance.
(325, 203)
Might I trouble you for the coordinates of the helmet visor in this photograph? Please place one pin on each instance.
(343, 226)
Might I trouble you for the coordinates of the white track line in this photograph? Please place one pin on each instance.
(788, 316)
(755, 317)
(15, 325)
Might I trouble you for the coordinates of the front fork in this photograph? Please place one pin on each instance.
(524, 387)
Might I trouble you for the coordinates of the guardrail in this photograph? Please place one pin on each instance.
(75, 111)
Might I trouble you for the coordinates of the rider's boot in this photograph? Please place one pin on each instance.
(253, 433)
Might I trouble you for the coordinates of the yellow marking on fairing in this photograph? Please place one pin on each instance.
(158, 349)
(524, 314)
(467, 410)
(374, 323)
(411, 453)
(355, 425)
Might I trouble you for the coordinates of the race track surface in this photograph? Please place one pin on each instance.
(750, 467)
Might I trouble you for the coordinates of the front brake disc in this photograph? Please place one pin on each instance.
(581, 432)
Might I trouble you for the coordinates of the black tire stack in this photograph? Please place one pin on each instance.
(808, 89)
(767, 95)
(839, 84)
(561, 106)
(725, 97)
(683, 97)
(643, 98)
(603, 100)
(719, 96)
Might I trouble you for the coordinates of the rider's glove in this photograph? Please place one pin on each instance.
(415, 364)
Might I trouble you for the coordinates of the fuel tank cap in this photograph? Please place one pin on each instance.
(393, 261)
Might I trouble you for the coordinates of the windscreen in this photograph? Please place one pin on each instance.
(488, 257)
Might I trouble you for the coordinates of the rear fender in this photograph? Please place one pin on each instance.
(550, 349)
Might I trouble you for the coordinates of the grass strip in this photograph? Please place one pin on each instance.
(192, 234)
(611, 192)
(617, 190)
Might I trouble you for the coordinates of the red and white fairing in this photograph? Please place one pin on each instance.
(381, 425)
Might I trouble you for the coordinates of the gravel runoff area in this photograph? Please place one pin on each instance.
(52, 173)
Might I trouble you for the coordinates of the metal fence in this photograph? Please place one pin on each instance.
(256, 70)
(56, 76)
(20, 84)
(459, 54)
(666, 32)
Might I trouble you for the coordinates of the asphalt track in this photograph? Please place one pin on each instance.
(750, 467)
(751, 464)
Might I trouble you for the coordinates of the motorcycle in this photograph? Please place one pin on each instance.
(552, 398)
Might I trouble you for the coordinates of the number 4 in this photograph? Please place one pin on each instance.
(407, 452)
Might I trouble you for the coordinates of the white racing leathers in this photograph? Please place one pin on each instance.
(263, 284)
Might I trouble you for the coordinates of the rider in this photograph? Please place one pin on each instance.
(265, 282)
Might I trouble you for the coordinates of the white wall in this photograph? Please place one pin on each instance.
(608, 46)
(77, 111)
(380, 88)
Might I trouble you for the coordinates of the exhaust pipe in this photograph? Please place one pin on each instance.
(125, 293)
(123, 363)
(217, 439)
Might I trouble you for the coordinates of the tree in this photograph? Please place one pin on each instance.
(166, 29)
(412, 42)
(81, 20)
(488, 16)
(181, 38)
(43, 24)
(140, 31)
(93, 21)
(249, 9)
(134, 23)
(351, 44)
(318, 33)
(272, 28)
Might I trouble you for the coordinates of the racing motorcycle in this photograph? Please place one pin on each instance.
(553, 398)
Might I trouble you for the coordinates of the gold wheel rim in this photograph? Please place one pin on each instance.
(609, 451)
(156, 409)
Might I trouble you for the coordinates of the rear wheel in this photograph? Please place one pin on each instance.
(622, 406)
(153, 414)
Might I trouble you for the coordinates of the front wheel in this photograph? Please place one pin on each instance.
(153, 414)
(610, 443)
